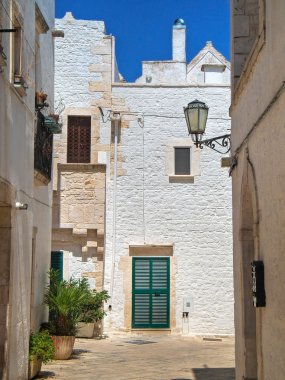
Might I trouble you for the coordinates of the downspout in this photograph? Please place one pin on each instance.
(115, 118)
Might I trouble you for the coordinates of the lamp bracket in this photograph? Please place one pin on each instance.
(8, 30)
(223, 142)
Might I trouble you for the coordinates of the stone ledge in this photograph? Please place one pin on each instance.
(151, 250)
(181, 179)
(82, 167)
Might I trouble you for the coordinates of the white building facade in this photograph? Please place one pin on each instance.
(26, 67)
(166, 247)
(165, 210)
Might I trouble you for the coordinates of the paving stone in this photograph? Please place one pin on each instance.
(169, 357)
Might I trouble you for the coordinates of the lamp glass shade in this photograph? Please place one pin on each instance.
(196, 114)
(203, 115)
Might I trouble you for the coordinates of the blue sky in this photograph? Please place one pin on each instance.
(143, 27)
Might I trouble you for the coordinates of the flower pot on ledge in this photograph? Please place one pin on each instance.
(40, 100)
(52, 124)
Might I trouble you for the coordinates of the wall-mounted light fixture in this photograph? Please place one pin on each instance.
(57, 33)
(196, 114)
(21, 206)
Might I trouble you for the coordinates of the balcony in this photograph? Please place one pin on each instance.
(3, 58)
(42, 151)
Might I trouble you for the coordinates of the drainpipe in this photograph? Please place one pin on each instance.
(115, 118)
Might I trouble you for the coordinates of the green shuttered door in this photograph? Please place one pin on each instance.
(150, 292)
(57, 262)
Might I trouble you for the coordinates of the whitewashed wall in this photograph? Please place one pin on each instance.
(195, 217)
(17, 127)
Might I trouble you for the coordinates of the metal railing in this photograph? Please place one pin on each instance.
(43, 148)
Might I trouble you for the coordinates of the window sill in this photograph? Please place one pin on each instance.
(181, 179)
(81, 167)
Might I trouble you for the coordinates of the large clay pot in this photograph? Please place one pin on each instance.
(63, 346)
(85, 330)
(34, 367)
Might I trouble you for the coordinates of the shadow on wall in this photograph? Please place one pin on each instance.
(214, 373)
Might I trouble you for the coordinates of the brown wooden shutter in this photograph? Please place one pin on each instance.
(79, 139)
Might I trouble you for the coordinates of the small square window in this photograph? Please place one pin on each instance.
(182, 161)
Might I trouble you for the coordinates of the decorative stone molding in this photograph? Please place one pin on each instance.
(41, 24)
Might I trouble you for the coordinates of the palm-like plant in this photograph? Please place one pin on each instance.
(65, 300)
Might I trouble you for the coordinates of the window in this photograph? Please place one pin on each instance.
(78, 139)
(213, 74)
(17, 69)
(17, 49)
(182, 161)
(17, 42)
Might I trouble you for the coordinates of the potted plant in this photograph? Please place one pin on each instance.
(92, 311)
(41, 350)
(40, 100)
(52, 123)
(65, 300)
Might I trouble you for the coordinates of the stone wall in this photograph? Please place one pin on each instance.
(83, 82)
(257, 112)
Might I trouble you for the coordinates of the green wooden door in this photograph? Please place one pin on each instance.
(151, 278)
(56, 262)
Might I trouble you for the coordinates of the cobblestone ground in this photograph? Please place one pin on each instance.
(126, 357)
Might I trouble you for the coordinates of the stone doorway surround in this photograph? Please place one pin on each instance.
(125, 265)
(248, 340)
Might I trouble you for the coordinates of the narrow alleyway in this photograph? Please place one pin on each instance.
(126, 357)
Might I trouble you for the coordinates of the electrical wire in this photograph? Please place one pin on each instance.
(152, 115)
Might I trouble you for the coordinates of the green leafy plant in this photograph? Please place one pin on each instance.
(92, 310)
(65, 300)
(41, 346)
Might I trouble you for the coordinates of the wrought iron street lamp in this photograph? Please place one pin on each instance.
(196, 114)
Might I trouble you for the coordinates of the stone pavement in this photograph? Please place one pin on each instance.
(148, 357)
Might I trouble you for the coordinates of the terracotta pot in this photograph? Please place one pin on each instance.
(85, 330)
(34, 367)
(63, 346)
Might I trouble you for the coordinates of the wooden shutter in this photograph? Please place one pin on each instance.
(160, 292)
(151, 292)
(56, 262)
(78, 139)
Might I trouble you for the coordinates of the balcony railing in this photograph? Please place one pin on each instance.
(43, 150)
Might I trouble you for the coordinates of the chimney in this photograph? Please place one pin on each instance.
(179, 41)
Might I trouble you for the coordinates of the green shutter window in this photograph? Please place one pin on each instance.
(57, 262)
(151, 280)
